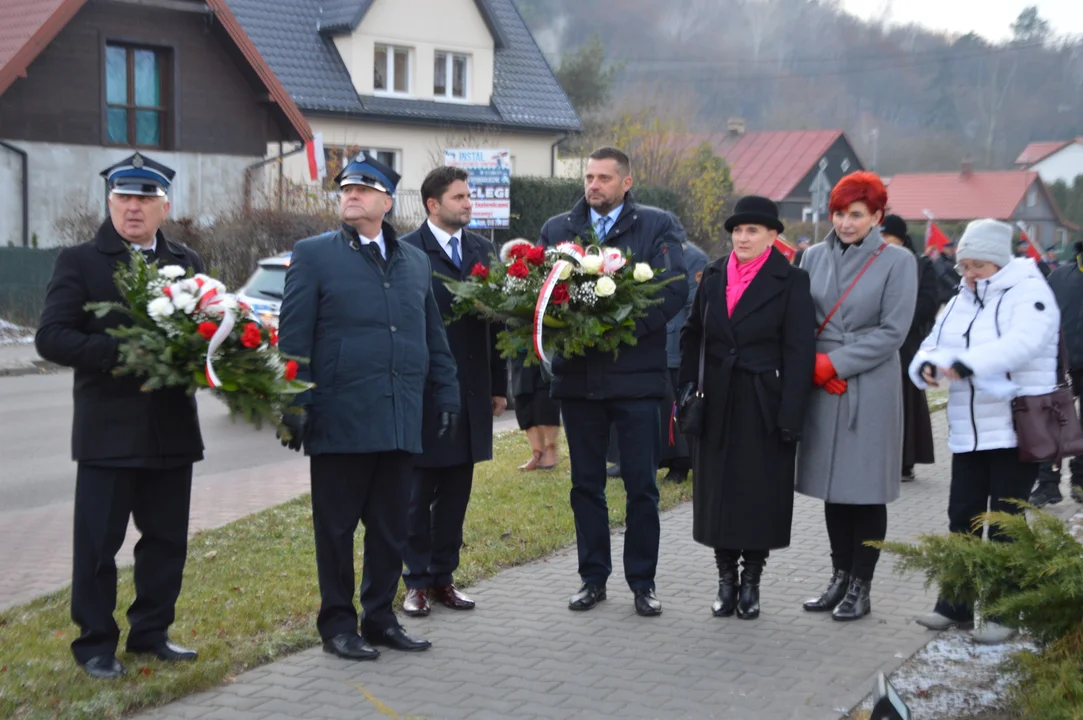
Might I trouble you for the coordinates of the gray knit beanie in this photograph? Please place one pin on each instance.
(989, 240)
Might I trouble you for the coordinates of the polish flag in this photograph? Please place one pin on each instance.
(935, 239)
(1032, 250)
(317, 164)
(787, 250)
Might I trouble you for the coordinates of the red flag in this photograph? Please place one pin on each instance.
(935, 239)
(786, 249)
(1032, 250)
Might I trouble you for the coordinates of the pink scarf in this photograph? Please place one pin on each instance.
(739, 276)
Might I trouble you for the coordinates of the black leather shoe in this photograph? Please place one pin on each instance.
(396, 638)
(675, 476)
(748, 605)
(104, 667)
(647, 603)
(350, 646)
(832, 596)
(587, 597)
(1045, 494)
(856, 604)
(726, 602)
(166, 651)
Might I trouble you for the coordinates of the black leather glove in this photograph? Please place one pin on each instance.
(963, 370)
(449, 421)
(686, 391)
(295, 423)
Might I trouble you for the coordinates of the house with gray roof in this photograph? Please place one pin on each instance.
(405, 79)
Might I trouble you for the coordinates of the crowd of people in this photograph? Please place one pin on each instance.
(758, 376)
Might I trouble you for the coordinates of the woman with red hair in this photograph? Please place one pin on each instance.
(864, 291)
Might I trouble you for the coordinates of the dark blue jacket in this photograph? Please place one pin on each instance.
(1067, 285)
(375, 338)
(640, 370)
(695, 261)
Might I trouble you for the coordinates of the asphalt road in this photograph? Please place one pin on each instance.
(36, 468)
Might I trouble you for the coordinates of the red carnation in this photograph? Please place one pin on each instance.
(560, 294)
(519, 251)
(480, 271)
(535, 255)
(518, 269)
(273, 335)
(291, 369)
(207, 329)
(251, 337)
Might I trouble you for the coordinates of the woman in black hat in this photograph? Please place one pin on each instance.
(917, 427)
(752, 320)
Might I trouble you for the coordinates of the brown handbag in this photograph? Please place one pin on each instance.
(1047, 426)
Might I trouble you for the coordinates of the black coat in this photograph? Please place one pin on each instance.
(947, 279)
(640, 370)
(1067, 285)
(115, 423)
(482, 373)
(757, 381)
(375, 339)
(925, 310)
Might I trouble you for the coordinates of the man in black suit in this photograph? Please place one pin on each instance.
(444, 472)
(134, 449)
(597, 390)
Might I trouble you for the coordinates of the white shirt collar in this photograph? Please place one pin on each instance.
(379, 240)
(444, 238)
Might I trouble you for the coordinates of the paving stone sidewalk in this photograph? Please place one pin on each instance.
(523, 654)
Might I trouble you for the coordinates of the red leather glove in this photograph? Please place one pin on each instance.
(835, 386)
(823, 370)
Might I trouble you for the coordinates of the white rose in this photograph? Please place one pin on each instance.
(642, 272)
(605, 287)
(160, 308)
(171, 271)
(566, 271)
(184, 302)
(591, 264)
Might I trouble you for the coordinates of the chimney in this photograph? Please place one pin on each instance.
(735, 126)
(966, 167)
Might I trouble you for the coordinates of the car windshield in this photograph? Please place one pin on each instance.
(267, 282)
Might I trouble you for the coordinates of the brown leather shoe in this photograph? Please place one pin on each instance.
(416, 603)
(450, 596)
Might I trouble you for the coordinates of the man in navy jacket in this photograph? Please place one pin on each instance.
(359, 305)
(597, 390)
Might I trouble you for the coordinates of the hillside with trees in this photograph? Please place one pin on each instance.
(909, 98)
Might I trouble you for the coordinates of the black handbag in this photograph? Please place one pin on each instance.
(692, 406)
(1046, 426)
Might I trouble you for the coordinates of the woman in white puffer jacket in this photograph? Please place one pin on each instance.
(995, 340)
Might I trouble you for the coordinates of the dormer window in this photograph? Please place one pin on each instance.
(450, 73)
(391, 70)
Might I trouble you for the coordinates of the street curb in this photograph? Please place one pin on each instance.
(37, 367)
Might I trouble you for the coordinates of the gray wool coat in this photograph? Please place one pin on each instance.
(851, 447)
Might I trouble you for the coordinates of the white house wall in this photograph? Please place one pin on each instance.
(64, 179)
(1065, 164)
(421, 148)
(425, 26)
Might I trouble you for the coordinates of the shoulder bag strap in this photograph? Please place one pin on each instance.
(842, 297)
(703, 349)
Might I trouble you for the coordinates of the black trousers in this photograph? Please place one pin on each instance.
(724, 557)
(371, 488)
(676, 456)
(586, 424)
(158, 502)
(849, 527)
(984, 481)
(438, 501)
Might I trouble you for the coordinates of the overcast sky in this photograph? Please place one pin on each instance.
(990, 18)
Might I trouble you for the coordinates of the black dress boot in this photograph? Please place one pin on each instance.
(748, 606)
(832, 596)
(856, 604)
(726, 602)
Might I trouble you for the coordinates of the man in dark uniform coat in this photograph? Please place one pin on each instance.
(359, 304)
(134, 449)
(597, 391)
(444, 472)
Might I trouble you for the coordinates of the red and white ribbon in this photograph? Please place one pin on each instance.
(573, 251)
(213, 302)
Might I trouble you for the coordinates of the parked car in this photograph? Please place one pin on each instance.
(264, 290)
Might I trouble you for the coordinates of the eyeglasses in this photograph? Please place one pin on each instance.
(977, 266)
